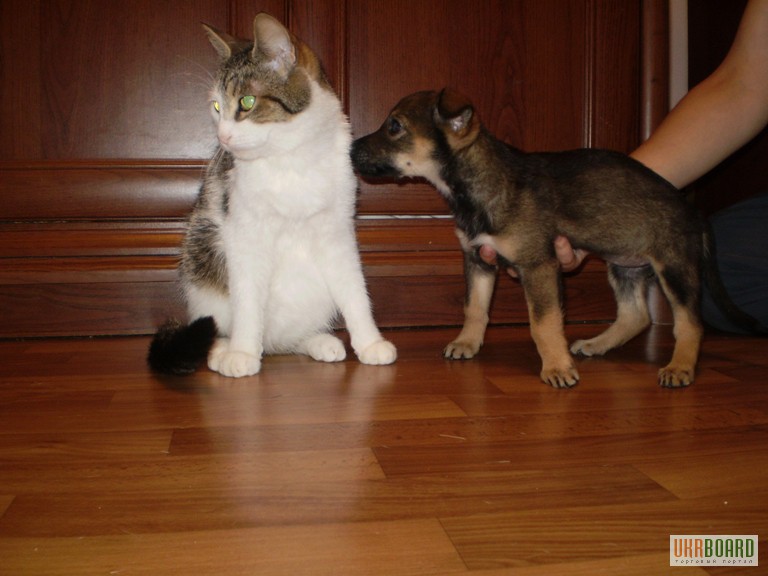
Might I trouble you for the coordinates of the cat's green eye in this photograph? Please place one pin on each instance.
(247, 103)
(216, 106)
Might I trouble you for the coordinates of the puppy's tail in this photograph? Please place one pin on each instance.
(719, 293)
(179, 349)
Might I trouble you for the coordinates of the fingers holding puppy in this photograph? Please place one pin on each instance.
(570, 258)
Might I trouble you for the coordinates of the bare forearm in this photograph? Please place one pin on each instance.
(719, 115)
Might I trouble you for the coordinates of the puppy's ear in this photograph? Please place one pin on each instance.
(455, 113)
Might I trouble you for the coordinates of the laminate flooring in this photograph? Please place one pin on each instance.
(424, 467)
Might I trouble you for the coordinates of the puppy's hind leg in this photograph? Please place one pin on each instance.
(480, 279)
(630, 286)
(680, 286)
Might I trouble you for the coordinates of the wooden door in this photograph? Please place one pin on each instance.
(105, 133)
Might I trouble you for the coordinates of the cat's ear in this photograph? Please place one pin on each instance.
(274, 41)
(224, 44)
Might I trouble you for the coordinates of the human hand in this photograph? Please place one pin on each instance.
(569, 258)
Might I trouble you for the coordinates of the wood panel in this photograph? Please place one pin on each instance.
(523, 87)
(96, 180)
(613, 73)
(98, 190)
(105, 94)
(119, 278)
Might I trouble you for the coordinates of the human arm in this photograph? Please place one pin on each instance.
(719, 115)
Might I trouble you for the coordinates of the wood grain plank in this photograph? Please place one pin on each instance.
(590, 533)
(411, 446)
(520, 450)
(67, 446)
(639, 565)
(400, 548)
(215, 498)
(692, 477)
(157, 472)
(5, 501)
(46, 411)
(252, 407)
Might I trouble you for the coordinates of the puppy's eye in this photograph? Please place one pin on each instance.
(394, 127)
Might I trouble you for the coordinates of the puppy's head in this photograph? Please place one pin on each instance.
(419, 137)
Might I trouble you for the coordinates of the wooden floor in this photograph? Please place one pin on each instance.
(426, 467)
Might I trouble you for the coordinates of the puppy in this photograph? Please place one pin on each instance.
(517, 203)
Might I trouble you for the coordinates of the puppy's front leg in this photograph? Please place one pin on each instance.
(480, 280)
(542, 293)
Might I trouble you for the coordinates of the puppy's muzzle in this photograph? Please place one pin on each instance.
(368, 161)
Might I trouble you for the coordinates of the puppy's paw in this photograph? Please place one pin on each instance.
(588, 348)
(676, 376)
(233, 364)
(326, 348)
(378, 353)
(462, 349)
(560, 377)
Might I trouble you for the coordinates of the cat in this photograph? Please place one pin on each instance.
(270, 256)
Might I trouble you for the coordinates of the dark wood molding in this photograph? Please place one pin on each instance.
(654, 94)
(654, 103)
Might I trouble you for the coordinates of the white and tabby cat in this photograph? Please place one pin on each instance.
(270, 257)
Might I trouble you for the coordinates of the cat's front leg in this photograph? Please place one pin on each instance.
(368, 343)
(351, 296)
(249, 268)
(240, 355)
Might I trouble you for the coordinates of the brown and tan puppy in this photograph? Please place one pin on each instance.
(517, 203)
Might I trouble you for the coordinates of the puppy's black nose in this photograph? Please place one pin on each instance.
(355, 150)
(369, 159)
(359, 154)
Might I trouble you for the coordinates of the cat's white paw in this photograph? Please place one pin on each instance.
(325, 348)
(219, 348)
(238, 364)
(233, 364)
(381, 352)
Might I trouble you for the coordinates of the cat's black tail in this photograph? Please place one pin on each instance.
(179, 349)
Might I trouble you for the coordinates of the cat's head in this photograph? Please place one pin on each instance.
(260, 83)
